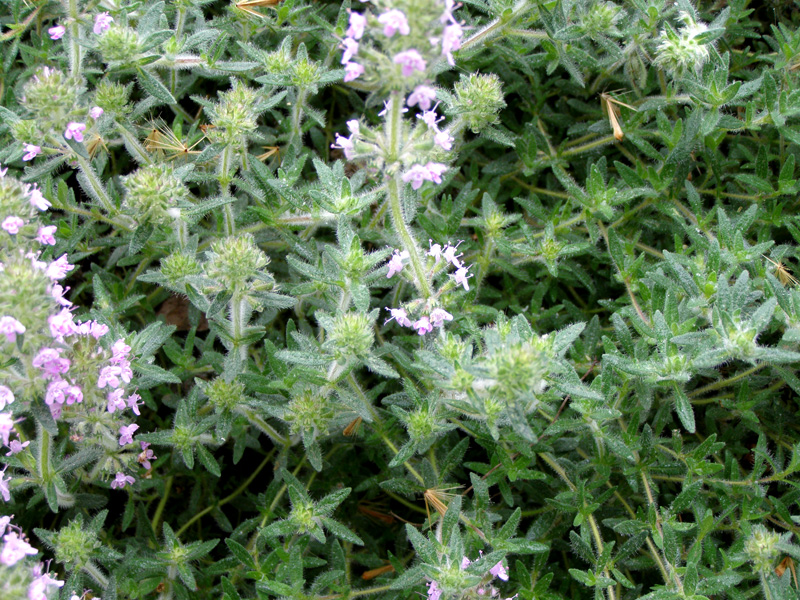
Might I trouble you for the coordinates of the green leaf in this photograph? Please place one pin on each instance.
(153, 86)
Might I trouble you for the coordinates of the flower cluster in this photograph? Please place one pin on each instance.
(484, 589)
(431, 317)
(679, 51)
(31, 580)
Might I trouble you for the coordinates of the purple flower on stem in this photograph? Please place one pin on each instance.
(411, 61)
(416, 175)
(394, 21)
(431, 118)
(126, 434)
(436, 170)
(31, 152)
(350, 49)
(423, 96)
(15, 549)
(121, 480)
(96, 112)
(450, 255)
(12, 224)
(6, 396)
(102, 23)
(345, 144)
(75, 131)
(45, 235)
(434, 593)
(499, 571)
(357, 24)
(115, 401)
(59, 268)
(451, 41)
(15, 447)
(37, 200)
(435, 251)
(423, 325)
(10, 327)
(61, 325)
(57, 32)
(396, 262)
(4, 491)
(352, 71)
(146, 455)
(6, 427)
(400, 316)
(438, 317)
(462, 276)
(51, 363)
(444, 140)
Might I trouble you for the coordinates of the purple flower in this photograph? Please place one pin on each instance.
(12, 224)
(6, 396)
(4, 491)
(423, 96)
(31, 152)
(120, 351)
(75, 130)
(434, 593)
(51, 363)
(57, 32)
(146, 455)
(59, 392)
(450, 255)
(357, 24)
(126, 434)
(435, 251)
(399, 315)
(462, 276)
(37, 200)
(451, 41)
(436, 170)
(431, 118)
(465, 562)
(121, 480)
(59, 268)
(15, 447)
(133, 403)
(61, 325)
(499, 571)
(102, 23)
(396, 262)
(345, 144)
(115, 401)
(444, 140)
(416, 175)
(350, 49)
(352, 71)
(45, 235)
(10, 327)
(6, 427)
(96, 112)
(394, 21)
(411, 61)
(438, 317)
(423, 325)
(15, 549)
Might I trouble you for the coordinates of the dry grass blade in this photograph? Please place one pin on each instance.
(247, 6)
(162, 139)
(782, 271)
(438, 498)
(373, 573)
(611, 104)
(270, 151)
(355, 425)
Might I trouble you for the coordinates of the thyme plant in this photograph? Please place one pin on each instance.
(319, 300)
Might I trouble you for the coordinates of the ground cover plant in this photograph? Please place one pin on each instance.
(399, 299)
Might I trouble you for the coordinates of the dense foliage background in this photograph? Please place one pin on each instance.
(612, 410)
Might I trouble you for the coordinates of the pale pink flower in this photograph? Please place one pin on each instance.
(4, 491)
(439, 316)
(436, 170)
(431, 118)
(499, 571)
(10, 328)
(121, 480)
(462, 276)
(416, 175)
(15, 447)
(451, 41)
(396, 262)
(102, 23)
(45, 235)
(12, 224)
(31, 152)
(399, 315)
(465, 562)
(352, 71)
(146, 455)
(133, 403)
(435, 251)
(354, 127)
(434, 593)
(350, 49)
(449, 254)
(75, 130)
(345, 144)
(6, 396)
(423, 325)
(6, 427)
(444, 140)
(357, 24)
(59, 268)
(60, 392)
(37, 590)
(423, 96)
(120, 351)
(57, 32)
(61, 324)
(37, 200)
(115, 401)
(96, 112)
(394, 21)
(126, 433)
(411, 61)
(50, 361)
(15, 549)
